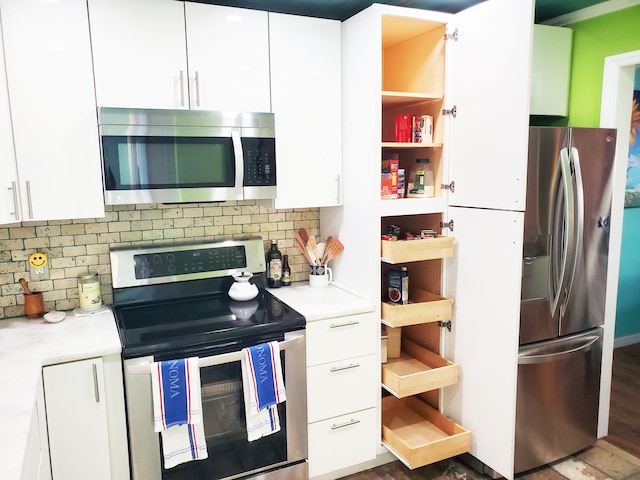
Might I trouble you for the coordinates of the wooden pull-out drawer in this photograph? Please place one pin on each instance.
(423, 307)
(418, 434)
(403, 251)
(342, 386)
(417, 370)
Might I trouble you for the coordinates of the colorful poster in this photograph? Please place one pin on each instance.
(632, 189)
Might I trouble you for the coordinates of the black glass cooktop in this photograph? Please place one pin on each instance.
(163, 325)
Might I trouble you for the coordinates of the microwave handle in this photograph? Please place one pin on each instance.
(237, 151)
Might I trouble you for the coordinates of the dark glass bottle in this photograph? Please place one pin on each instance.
(274, 266)
(286, 271)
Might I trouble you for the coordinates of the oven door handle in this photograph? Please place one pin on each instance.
(292, 340)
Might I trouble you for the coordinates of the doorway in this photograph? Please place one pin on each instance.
(615, 112)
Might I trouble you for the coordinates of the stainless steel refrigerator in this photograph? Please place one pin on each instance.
(566, 242)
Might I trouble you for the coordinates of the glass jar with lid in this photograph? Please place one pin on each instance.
(89, 291)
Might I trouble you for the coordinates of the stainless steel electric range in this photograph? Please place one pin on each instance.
(171, 301)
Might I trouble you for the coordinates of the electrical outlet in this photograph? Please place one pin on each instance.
(38, 266)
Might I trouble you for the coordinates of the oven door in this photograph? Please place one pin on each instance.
(230, 454)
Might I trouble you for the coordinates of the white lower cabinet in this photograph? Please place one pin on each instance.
(85, 420)
(36, 464)
(342, 389)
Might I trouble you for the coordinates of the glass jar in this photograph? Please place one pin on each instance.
(420, 182)
(89, 291)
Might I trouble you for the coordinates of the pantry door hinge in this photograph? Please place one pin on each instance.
(451, 186)
(453, 111)
(446, 324)
(448, 225)
(452, 36)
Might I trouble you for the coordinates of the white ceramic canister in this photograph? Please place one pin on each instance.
(89, 291)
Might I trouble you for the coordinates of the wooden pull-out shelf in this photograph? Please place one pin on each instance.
(417, 370)
(423, 307)
(418, 434)
(402, 251)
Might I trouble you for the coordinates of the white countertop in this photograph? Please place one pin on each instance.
(25, 346)
(320, 303)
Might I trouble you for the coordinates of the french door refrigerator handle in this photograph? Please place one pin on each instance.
(237, 151)
(558, 297)
(552, 354)
(578, 223)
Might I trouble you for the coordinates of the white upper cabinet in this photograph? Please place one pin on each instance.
(139, 53)
(53, 109)
(228, 54)
(306, 101)
(170, 54)
(489, 85)
(10, 195)
(550, 70)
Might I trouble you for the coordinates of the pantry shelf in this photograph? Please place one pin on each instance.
(410, 145)
(402, 251)
(423, 307)
(408, 98)
(417, 370)
(418, 434)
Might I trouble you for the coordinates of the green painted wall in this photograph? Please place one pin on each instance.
(593, 40)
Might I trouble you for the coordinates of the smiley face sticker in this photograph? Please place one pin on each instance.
(37, 260)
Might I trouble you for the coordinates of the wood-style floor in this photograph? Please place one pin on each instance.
(615, 457)
(624, 420)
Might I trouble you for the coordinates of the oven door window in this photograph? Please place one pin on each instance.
(229, 452)
(149, 162)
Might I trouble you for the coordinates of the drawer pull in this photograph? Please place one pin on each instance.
(345, 324)
(346, 367)
(353, 421)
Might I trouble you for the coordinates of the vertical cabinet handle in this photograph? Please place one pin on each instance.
(14, 189)
(181, 88)
(197, 89)
(96, 390)
(29, 203)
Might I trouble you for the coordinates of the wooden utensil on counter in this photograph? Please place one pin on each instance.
(333, 250)
(33, 303)
(302, 246)
(304, 235)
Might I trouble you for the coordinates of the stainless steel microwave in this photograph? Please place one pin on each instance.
(177, 156)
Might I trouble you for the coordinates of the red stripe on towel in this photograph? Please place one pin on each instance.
(161, 402)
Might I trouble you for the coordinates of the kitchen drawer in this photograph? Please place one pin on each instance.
(343, 337)
(423, 307)
(342, 386)
(417, 370)
(402, 251)
(418, 434)
(343, 441)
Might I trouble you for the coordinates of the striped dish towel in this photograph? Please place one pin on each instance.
(263, 389)
(177, 407)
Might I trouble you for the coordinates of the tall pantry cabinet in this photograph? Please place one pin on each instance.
(470, 72)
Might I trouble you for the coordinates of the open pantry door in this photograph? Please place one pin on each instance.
(488, 70)
(483, 277)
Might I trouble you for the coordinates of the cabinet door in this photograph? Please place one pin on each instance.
(36, 464)
(139, 53)
(9, 197)
(50, 78)
(489, 85)
(306, 102)
(228, 55)
(77, 420)
(484, 278)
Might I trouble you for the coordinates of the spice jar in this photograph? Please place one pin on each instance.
(421, 179)
(89, 291)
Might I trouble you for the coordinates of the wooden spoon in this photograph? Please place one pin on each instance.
(302, 246)
(25, 287)
(312, 244)
(304, 235)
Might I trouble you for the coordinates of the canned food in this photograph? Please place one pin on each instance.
(428, 233)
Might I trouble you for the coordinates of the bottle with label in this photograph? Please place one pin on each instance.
(286, 271)
(421, 179)
(274, 266)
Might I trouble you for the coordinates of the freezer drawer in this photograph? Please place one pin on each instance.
(557, 399)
